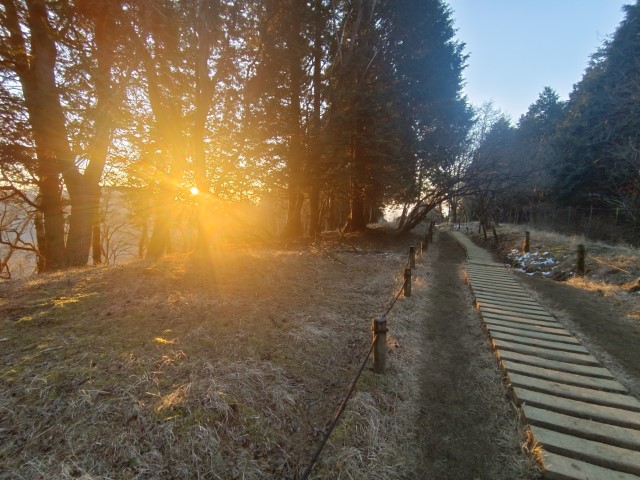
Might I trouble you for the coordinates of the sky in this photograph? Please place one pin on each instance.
(517, 47)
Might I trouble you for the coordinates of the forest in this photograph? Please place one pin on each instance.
(202, 112)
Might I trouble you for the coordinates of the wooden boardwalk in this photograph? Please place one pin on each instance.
(585, 421)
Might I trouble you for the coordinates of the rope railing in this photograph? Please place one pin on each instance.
(609, 265)
(377, 346)
(336, 417)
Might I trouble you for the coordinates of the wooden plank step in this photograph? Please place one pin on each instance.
(569, 357)
(539, 343)
(589, 395)
(493, 283)
(494, 295)
(515, 301)
(557, 467)
(576, 408)
(481, 297)
(513, 293)
(552, 323)
(551, 329)
(514, 312)
(488, 262)
(489, 271)
(508, 299)
(586, 370)
(523, 332)
(564, 377)
(515, 288)
(488, 275)
(512, 307)
(549, 321)
(596, 453)
(587, 429)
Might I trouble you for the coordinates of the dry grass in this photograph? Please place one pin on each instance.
(227, 370)
(184, 370)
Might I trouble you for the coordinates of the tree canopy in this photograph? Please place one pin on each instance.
(583, 152)
(347, 105)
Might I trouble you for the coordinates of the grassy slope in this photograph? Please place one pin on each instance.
(176, 370)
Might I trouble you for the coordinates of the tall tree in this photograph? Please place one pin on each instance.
(30, 58)
(536, 158)
(600, 137)
(430, 63)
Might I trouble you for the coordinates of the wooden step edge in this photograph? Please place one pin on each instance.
(596, 453)
(576, 408)
(582, 428)
(532, 334)
(568, 357)
(544, 317)
(558, 467)
(540, 343)
(568, 378)
(524, 321)
(550, 329)
(527, 359)
(592, 396)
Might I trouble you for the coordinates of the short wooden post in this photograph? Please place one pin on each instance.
(526, 245)
(412, 257)
(580, 261)
(407, 282)
(422, 249)
(379, 328)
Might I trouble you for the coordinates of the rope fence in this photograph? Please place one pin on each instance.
(378, 347)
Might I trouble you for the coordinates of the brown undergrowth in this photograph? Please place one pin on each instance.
(180, 369)
(229, 369)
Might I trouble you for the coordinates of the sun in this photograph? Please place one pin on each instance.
(194, 190)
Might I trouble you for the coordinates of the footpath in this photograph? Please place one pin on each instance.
(587, 424)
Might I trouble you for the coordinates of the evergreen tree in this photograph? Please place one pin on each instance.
(536, 157)
(600, 137)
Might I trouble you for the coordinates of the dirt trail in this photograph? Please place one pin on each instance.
(467, 426)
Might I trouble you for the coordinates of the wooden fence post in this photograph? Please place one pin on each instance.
(412, 257)
(422, 249)
(525, 246)
(407, 282)
(580, 261)
(379, 328)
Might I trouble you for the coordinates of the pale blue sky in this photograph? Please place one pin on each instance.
(517, 47)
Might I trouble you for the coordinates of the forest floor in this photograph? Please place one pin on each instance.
(233, 368)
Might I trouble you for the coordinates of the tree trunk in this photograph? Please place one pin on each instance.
(159, 241)
(295, 47)
(317, 52)
(403, 216)
(83, 205)
(38, 223)
(96, 242)
(314, 211)
(144, 237)
(356, 221)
